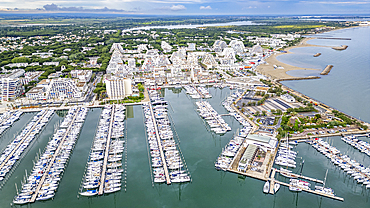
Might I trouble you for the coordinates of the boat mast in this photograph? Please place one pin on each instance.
(302, 166)
(16, 188)
(326, 174)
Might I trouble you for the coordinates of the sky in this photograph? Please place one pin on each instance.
(197, 7)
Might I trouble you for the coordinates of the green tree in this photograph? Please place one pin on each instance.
(21, 60)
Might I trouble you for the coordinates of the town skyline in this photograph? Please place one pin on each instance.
(192, 7)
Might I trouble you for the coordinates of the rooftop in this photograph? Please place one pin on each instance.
(259, 138)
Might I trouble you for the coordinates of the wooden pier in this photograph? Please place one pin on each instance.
(56, 153)
(160, 146)
(21, 142)
(106, 153)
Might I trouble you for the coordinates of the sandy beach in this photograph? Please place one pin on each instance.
(280, 74)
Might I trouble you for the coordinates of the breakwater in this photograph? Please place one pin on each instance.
(326, 70)
(340, 48)
(296, 78)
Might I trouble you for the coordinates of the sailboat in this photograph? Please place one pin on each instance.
(266, 187)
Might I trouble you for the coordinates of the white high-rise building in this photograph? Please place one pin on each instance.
(118, 88)
(10, 88)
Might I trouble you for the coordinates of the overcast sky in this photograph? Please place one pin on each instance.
(243, 7)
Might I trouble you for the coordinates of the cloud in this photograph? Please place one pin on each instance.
(54, 7)
(178, 7)
(337, 2)
(205, 7)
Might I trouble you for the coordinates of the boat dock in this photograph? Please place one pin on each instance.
(21, 142)
(5, 120)
(213, 114)
(34, 196)
(304, 177)
(106, 153)
(168, 179)
(273, 181)
(199, 92)
(337, 156)
(312, 191)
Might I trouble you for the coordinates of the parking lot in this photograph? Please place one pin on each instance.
(324, 130)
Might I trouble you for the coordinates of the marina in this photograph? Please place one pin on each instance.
(7, 119)
(229, 177)
(14, 150)
(213, 119)
(279, 142)
(197, 92)
(229, 151)
(362, 146)
(359, 172)
(167, 162)
(103, 172)
(43, 181)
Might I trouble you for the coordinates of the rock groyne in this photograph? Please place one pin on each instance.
(340, 48)
(326, 70)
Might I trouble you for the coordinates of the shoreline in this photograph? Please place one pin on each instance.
(281, 74)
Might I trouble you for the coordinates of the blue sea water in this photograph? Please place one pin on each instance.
(347, 86)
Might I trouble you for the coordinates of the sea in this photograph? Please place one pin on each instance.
(200, 147)
(347, 86)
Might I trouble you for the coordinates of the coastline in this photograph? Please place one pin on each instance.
(280, 74)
